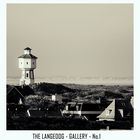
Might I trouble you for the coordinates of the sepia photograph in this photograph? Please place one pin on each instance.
(69, 67)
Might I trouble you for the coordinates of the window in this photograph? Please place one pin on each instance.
(108, 112)
(27, 63)
(27, 74)
(21, 62)
(33, 63)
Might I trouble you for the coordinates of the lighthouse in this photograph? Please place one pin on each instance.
(27, 64)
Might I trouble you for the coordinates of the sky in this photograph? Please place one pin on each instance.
(73, 40)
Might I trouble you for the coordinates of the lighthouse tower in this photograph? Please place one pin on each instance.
(27, 63)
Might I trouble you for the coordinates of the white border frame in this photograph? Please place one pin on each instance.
(106, 135)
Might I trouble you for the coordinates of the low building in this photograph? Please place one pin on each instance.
(51, 109)
(15, 110)
(15, 100)
(117, 110)
(16, 94)
(37, 113)
(41, 112)
(88, 111)
(72, 108)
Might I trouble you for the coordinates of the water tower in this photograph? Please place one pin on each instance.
(27, 64)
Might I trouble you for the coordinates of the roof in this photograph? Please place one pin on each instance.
(23, 91)
(111, 113)
(74, 103)
(21, 106)
(17, 93)
(36, 113)
(113, 110)
(41, 113)
(27, 56)
(27, 48)
(87, 106)
(11, 88)
(93, 107)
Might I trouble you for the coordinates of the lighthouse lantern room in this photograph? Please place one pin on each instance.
(27, 64)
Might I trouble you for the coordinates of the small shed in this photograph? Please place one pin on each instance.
(56, 98)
